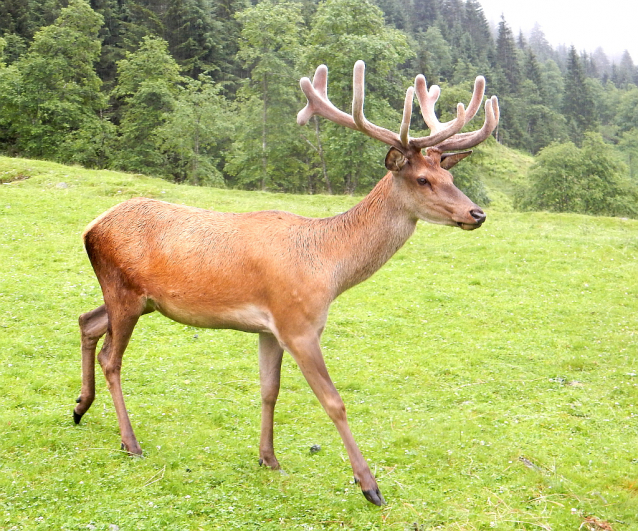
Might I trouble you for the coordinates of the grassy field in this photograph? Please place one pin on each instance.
(490, 377)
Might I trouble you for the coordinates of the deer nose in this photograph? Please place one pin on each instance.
(478, 215)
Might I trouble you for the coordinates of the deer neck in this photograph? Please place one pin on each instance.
(366, 236)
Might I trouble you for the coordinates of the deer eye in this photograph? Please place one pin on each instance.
(422, 181)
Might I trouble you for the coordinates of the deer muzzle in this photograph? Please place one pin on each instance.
(479, 217)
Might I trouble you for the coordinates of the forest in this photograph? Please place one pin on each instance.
(206, 92)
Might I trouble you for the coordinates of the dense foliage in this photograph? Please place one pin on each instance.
(206, 91)
(588, 180)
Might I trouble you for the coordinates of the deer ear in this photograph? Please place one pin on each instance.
(395, 160)
(450, 159)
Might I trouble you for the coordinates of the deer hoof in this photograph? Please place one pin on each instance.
(268, 462)
(137, 453)
(374, 496)
(76, 417)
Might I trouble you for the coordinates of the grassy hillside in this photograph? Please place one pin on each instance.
(490, 378)
(503, 172)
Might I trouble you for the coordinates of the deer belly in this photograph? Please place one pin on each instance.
(246, 318)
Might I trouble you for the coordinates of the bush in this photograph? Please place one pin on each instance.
(585, 180)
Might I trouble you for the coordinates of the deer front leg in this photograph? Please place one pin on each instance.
(270, 355)
(307, 354)
(93, 326)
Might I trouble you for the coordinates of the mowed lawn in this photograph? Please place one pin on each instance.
(490, 377)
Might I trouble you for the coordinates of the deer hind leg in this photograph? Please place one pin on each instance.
(124, 311)
(270, 356)
(93, 326)
(307, 353)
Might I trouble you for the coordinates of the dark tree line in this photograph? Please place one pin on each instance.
(206, 91)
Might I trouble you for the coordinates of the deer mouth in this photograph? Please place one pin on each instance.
(469, 226)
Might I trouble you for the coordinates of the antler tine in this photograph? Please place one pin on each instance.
(477, 98)
(427, 99)
(318, 102)
(438, 131)
(363, 125)
(468, 140)
(404, 131)
(320, 81)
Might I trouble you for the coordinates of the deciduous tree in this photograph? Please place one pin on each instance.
(51, 96)
(265, 152)
(342, 32)
(147, 86)
(586, 180)
(195, 131)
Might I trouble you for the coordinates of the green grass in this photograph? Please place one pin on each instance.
(490, 378)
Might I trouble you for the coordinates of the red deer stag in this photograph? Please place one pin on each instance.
(274, 273)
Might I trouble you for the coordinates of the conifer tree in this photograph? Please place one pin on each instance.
(507, 58)
(539, 44)
(601, 61)
(626, 72)
(192, 35)
(578, 103)
(424, 14)
(476, 26)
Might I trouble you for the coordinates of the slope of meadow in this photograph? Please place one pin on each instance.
(490, 378)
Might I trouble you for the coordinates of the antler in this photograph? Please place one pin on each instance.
(319, 104)
(468, 140)
(442, 136)
(427, 99)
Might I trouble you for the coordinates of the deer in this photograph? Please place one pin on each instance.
(275, 273)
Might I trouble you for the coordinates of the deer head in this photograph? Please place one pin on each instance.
(427, 186)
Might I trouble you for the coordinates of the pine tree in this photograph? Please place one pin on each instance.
(601, 61)
(395, 14)
(626, 72)
(23, 18)
(507, 58)
(229, 70)
(424, 14)
(111, 33)
(578, 103)
(540, 45)
(477, 27)
(191, 34)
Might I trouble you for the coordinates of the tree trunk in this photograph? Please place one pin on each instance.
(264, 145)
(196, 150)
(321, 157)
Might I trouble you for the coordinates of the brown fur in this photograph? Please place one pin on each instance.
(271, 273)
